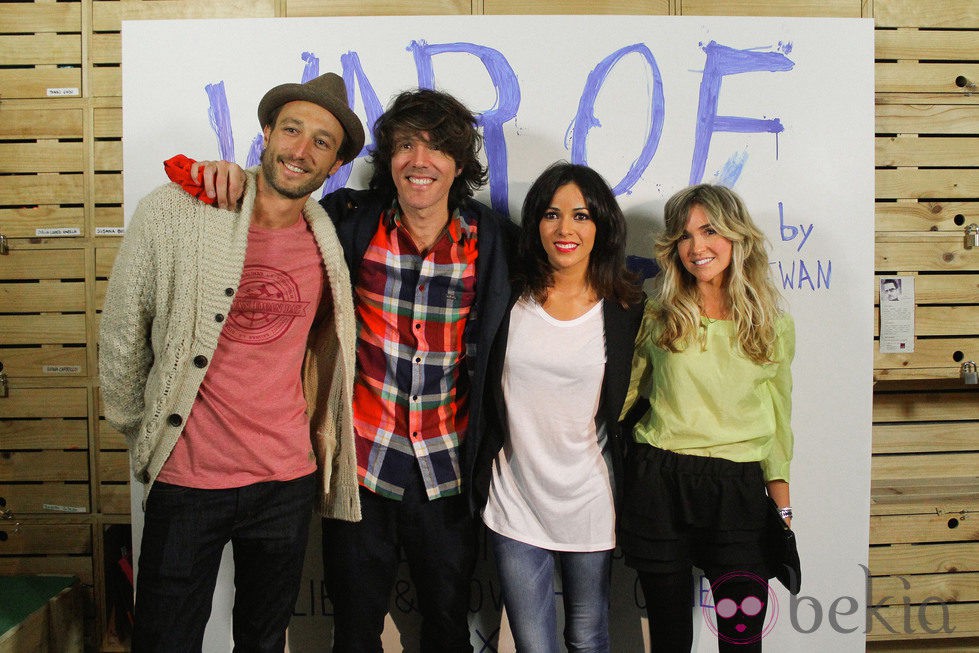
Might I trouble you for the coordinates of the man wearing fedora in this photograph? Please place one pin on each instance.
(429, 267)
(227, 361)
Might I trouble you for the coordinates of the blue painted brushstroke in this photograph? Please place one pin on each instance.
(723, 61)
(733, 167)
(354, 77)
(492, 120)
(585, 117)
(219, 116)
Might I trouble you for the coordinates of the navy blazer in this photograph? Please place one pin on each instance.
(355, 214)
(621, 326)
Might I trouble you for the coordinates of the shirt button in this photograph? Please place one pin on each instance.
(200, 361)
(417, 326)
(418, 360)
(219, 318)
(175, 420)
(414, 398)
(415, 435)
(229, 291)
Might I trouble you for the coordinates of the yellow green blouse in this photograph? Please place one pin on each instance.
(709, 400)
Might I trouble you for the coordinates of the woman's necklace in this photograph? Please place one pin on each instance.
(721, 315)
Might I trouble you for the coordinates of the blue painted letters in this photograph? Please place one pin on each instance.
(491, 120)
(723, 61)
(585, 118)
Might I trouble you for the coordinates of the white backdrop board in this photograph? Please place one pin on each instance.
(780, 109)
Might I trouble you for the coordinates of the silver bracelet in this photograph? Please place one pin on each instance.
(786, 512)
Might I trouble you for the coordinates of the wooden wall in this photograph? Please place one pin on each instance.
(924, 523)
(63, 472)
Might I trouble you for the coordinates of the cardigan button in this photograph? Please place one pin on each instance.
(229, 291)
(175, 420)
(219, 318)
(200, 361)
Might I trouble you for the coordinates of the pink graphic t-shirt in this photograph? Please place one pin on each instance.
(249, 422)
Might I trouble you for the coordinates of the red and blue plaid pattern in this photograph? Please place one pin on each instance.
(411, 389)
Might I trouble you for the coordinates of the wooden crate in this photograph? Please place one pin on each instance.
(43, 321)
(926, 191)
(43, 153)
(49, 613)
(947, 307)
(107, 17)
(912, 13)
(35, 538)
(296, 8)
(114, 481)
(516, 7)
(924, 524)
(44, 451)
(41, 50)
(914, 58)
(830, 8)
(113, 468)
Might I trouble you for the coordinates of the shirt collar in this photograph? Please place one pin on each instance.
(459, 229)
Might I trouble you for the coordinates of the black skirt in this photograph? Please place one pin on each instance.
(682, 510)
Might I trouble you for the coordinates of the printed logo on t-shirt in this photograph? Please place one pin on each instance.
(265, 306)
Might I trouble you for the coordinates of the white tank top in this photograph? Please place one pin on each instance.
(551, 487)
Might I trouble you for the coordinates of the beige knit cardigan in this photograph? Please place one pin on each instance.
(172, 284)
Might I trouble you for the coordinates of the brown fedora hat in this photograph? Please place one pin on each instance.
(329, 92)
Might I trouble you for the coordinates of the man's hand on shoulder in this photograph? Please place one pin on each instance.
(222, 180)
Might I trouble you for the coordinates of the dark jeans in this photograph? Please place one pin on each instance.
(361, 559)
(185, 532)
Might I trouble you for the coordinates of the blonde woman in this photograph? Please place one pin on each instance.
(712, 360)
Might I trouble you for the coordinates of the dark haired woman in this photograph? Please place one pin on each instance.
(551, 458)
(713, 360)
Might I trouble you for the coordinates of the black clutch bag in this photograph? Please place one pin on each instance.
(783, 554)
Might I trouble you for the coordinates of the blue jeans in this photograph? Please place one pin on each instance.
(185, 532)
(361, 560)
(527, 578)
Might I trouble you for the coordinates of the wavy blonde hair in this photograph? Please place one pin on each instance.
(752, 295)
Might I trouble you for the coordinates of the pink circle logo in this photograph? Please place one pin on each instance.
(730, 620)
(265, 305)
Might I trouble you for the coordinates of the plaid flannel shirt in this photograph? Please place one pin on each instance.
(411, 388)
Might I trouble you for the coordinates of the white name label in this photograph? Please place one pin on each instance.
(110, 231)
(52, 507)
(61, 369)
(57, 232)
(62, 92)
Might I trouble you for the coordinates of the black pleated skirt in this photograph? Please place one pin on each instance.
(681, 510)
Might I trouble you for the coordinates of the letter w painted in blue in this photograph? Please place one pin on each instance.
(507, 103)
(220, 116)
(220, 119)
(722, 61)
(353, 74)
